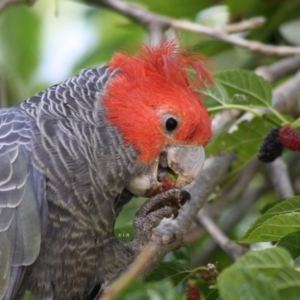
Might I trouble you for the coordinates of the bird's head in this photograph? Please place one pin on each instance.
(152, 103)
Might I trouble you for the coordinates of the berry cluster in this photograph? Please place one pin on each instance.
(276, 140)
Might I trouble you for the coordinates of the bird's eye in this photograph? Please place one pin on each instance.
(171, 124)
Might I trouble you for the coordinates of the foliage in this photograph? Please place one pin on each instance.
(272, 273)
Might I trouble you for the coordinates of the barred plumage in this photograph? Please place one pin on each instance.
(73, 155)
(60, 136)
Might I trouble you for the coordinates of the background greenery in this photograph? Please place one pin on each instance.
(49, 41)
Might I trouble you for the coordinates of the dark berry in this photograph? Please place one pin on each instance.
(271, 147)
(290, 138)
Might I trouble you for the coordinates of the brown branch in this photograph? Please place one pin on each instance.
(134, 12)
(134, 271)
(249, 197)
(223, 118)
(279, 69)
(146, 18)
(285, 95)
(237, 188)
(233, 250)
(279, 177)
(221, 35)
(245, 25)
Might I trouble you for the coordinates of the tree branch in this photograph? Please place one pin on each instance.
(233, 250)
(278, 175)
(134, 271)
(285, 95)
(146, 18)
(241, 208)
(245, 25)
(279, 69)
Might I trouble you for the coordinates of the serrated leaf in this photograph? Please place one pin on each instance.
(283, 207)
(181, 255)
(215, 96)
(171, 270)
(272, 258)
(291, 242)
(245, 284)
(287, 282)
(273, 229)
(252, 88)
(252, 275)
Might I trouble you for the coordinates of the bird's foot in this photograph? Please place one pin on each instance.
(163, 205)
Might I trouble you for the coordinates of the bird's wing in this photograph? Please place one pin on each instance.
(23, 209)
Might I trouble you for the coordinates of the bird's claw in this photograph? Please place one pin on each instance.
(156, 208)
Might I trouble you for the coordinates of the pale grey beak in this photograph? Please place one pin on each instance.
(186, 162)
(179, 162)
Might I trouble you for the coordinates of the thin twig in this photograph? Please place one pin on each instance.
(279, 69)
(249, 197)
(144, 17)
(132, 272)
(279, 177)
(221, 35)
(245, 25)
(224, 118)
(285, 95)
(233, 250)
(236, 188)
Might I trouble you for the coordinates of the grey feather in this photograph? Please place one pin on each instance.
(19, 237)
(62, 172)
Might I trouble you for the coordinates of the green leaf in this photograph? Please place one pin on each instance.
(181, 255)
(287, 282)
(245, 284)
(283, 207)
(215, 96)
(171, 270)
(267, 259)
(251, 276)
(273, 229)
(291, 242)
(245, 86)
(176, 266)
(138, 290)
(244, 141)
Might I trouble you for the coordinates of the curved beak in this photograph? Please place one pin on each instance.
(186, 162)
(179, 164)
